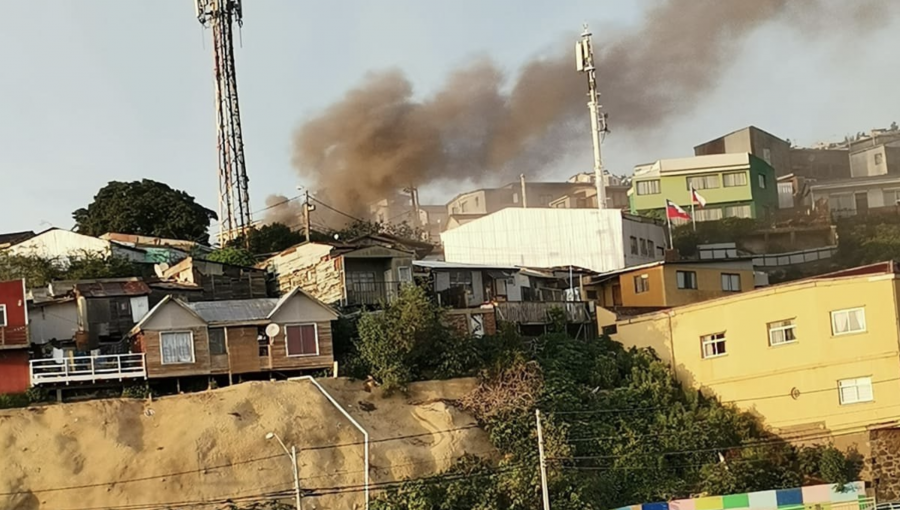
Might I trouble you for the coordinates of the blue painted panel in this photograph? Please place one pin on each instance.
(789, 497)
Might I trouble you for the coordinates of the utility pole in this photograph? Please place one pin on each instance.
(306, 211)
(414, 193)
(522, 183)
(292, 454)
(584, 62)
(544, 491)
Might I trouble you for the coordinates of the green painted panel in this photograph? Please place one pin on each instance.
(736, 501)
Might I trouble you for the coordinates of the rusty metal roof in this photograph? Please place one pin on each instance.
(112, 288)
(235, 310)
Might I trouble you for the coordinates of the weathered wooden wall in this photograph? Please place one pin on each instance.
(311, 268)
(155, 369)
(325, 359)
(243, 349)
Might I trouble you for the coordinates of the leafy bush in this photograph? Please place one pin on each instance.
(13, 400)
(140, 390)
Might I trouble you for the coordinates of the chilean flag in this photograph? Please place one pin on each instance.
(674, 212)
(697, 198)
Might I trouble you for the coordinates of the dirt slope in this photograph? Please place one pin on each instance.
(207, 446)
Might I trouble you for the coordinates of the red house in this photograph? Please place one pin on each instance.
(14, 377)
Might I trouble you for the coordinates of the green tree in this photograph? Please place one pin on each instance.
(147, 208)
(39, 271)
(270, 238)
(232, 255)
(362, 228)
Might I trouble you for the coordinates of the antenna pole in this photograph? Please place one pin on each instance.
(584, 52)
(306, 216)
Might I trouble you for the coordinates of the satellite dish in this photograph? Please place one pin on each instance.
(272, 330)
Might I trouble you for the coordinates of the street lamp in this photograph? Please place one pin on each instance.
(292, 454)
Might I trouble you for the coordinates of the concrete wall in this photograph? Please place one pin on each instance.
(709, 281)
(825, 164)
(585, 238)
(761, 378)
(869, 163)
(641, 229)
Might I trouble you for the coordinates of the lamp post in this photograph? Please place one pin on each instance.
(292, 453)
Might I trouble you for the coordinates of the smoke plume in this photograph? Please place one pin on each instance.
(281, 209)
(378, 139)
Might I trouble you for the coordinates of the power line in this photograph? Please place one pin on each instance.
(323, 204)
(268, 207)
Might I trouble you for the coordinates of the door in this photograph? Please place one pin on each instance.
(617, 294)
(862, 203)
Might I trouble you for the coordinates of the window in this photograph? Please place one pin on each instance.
(404, 273)
(361, 281)
(462, 206)
(643, 247)
(762, 181)
(592, 295)
(708, 214)
(879, 159)
(651, 248)
(302, 340)
(703, 182)
(737, 211)
(216, 341)
(855, 391)
(735, 179)
(176, 347)
(686, 279)
(262, 338)
(3, 323)
(848, 321)
(634, 245)
(782, 332)
(476, 202)
(767, 155)
(648, 187)
(612, 329)
(731, 282)
(515, 198)
(713, 345)
(461, 279)
(641, 284)
(891, 197)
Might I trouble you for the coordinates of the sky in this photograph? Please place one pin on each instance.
(101, 90)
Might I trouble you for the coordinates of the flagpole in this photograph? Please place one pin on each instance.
(669, 222)
(693, 219)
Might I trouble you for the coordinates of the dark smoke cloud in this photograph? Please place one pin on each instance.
(281, 209)
(379, 139)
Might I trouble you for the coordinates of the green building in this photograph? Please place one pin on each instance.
(734, 186)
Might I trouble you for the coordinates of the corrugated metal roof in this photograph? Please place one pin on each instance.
(440, 264)
(236, 310)
(97, 289)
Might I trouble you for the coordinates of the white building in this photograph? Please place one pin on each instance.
(57, 243)
(601, 241)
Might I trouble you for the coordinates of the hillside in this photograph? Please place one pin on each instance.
(209, 446)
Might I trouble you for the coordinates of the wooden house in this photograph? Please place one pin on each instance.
(365, 272)
(215, 281)
(232, 337)
(13, 337)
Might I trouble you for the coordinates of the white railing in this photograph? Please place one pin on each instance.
(87, 368)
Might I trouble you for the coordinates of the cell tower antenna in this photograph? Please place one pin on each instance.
(220, 16)
(584, 62)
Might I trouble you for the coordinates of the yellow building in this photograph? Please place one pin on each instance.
(667, 284)
(816, 356)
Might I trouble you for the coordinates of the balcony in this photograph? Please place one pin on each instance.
(538, 312)
(113, 367)
(371, 293)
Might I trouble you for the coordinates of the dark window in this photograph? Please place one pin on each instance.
(634, 245)
(2, 316)
(592, 295)
(302, 340)
(262, 338)
(686, 279)
(651, 248)
(216, 341)
(361, 281)
(612, 329)
(461, 279)
(643, 247)
(641, 284)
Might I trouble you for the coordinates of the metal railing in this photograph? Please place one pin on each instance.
(538, 312)
(87, 368)
(372, 293)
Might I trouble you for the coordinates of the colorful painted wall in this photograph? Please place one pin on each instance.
(820, 497)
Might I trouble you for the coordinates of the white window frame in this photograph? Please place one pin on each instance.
(287, 352)
(834, 313)
(734, 179)
(682, 283)
(762, 181)
(4, 320)
(162, 337)
(400, 274)
(855, 383)
(649, 187)
(744, 210)
(701, 182)
(730, 281)
(645, 283)
(711, 214)
(773, 329)
(712, 340)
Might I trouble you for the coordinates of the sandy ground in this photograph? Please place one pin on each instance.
(209, 446)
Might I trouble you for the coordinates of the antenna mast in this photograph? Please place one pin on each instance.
(234, 196)
(584, 62)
